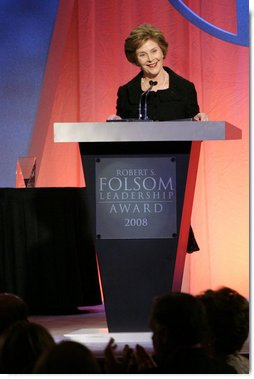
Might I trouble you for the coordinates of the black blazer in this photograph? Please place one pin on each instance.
(179, 101)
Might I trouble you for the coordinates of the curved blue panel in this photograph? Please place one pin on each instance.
(242, 14)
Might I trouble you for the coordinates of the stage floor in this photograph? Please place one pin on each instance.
(89, 327)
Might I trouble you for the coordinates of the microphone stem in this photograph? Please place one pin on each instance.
(146, 93)
(140, 106)
(145, 107)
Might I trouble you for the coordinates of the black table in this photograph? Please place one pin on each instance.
(47, 255)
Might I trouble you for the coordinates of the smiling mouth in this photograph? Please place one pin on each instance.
(152, 65)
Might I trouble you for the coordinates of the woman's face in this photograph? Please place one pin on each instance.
(150, 58)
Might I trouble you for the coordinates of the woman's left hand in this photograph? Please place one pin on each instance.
(201, 117)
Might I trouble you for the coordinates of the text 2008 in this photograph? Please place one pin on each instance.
(135, 222)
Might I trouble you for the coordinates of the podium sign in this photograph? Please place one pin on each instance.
(136, 198)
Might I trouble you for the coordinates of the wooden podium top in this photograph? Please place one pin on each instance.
(149, 131)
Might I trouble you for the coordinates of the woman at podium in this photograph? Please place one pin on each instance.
(157, 93)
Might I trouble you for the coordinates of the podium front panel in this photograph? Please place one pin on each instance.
(135, 270)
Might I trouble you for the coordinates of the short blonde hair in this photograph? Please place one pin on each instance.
(139, 36)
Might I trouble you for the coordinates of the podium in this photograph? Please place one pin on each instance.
(140, 179)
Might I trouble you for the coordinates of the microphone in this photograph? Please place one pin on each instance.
(152, 84)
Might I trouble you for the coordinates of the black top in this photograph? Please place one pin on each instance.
(179, 101)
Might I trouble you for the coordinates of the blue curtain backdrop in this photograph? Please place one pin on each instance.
(25, 32)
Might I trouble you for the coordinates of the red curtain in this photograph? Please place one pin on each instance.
(86, 65)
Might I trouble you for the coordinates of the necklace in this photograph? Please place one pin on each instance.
(163, 86)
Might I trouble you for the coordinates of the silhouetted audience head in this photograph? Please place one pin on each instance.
(21, 346)
(228, 317)
(178, 322)
(12, 309)
(67, 357)
(177, 319)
